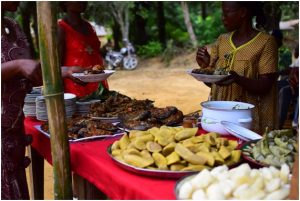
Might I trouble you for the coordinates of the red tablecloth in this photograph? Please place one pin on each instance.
(90, 160)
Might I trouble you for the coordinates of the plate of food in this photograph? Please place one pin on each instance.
(274, 149)
(238, 183)
(208, 76)
(84, 128)
(94, 76)
(176, 152)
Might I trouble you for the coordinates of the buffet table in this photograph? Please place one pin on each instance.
(90, 161)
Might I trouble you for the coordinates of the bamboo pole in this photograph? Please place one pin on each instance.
(53, 92)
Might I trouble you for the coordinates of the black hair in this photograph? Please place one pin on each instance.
(255, 9)
(277, 33)
(62, 5)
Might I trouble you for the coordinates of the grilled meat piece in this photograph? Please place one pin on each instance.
(163, 113)
(140, 125)
(174, 119)
(135, 115)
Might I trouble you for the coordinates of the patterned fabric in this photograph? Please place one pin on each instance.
(13, 140)
(81, 50)
(256, 57)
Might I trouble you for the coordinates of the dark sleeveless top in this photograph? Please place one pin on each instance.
(14, 46)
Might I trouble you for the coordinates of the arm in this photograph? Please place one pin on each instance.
(26, 68)
(258, 86)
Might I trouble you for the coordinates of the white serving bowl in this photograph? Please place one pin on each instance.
(213, 112)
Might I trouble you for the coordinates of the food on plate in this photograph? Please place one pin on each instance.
(136, 114)
(154, 117)
(241, 182)
(116, 103)
(80, 127)
(97, 69)
(275, 148)
(209, 71)
(175, 149)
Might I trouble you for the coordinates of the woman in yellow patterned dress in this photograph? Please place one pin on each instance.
(251, 57)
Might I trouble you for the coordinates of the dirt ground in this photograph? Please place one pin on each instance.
(166, 85)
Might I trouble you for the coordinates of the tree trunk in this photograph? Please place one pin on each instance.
(53, 92)
(120, 12)
(203, 9)
(161, 23)
(188, 23)
(139, 25)
(117, 35)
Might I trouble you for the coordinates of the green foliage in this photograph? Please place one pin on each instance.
(207, 30)
(285, 58)
(176, 34)
(152, 49)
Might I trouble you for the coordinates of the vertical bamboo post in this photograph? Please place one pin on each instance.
(53, 92)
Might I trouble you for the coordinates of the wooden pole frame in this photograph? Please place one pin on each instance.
(53, 92)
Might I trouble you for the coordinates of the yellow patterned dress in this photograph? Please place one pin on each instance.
(256, 57)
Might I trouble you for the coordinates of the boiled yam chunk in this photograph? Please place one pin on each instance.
(168, 149)
(235, 156)
(189, 156)
(210, 160)
(173, 158)
(185, 134)
(132, 151)
(177, 167)
(218, 158)
(160, 161)
(232, 145)
(124, 141)
(224, 152)
(137, 161)
(153, 146)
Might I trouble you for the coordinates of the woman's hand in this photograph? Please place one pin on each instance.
(202, 57)
(229, 79)
(31, 69)
(68, 71)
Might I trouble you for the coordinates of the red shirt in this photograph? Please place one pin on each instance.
(81, 50)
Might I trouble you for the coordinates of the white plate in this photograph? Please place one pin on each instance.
(240, 132)
(38, 127)
(94, 77)
(207, 78)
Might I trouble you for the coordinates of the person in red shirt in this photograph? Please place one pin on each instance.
(79, 48)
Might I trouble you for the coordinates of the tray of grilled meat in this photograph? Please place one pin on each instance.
(82, 128)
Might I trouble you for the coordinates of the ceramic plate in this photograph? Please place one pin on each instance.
(207, 78)
(240, 132)
(94, 77)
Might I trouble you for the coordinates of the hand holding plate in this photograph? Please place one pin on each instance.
(229, 79)
(68, 71)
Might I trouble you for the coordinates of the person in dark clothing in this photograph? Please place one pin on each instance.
(19, 73)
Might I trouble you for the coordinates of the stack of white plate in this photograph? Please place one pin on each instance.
(83, 107)
(41, 109)
(29, 108)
